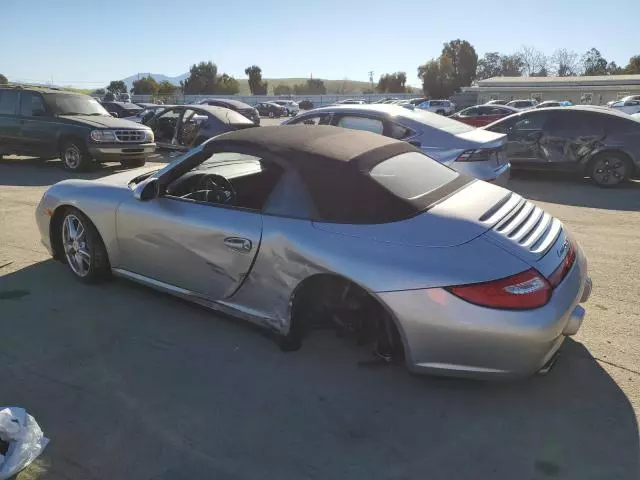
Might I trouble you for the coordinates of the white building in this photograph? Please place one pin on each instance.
(595, 90)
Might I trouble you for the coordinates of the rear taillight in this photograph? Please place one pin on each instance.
(522, 291)
(559, 273)
(477, 155)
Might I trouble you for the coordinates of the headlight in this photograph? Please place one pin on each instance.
(103, 136)
(149, 137)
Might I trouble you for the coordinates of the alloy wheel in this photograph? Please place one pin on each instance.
(76, 247)
(609, 170)
(72, 157)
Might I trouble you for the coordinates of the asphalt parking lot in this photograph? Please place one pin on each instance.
(130, 383)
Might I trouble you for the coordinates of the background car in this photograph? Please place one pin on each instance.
(627, 106)
(497, 102)
(624, 99)
(182, 127)
(350, 101)
(50, 123)
(477, 153)
(481, 115)
(522, 104)
(597, 142)
(124, 98)
(240, 107)
(441, 107)
(122, 110)
(293, 228)
(270, 109)
(290, 106)
(145, 115)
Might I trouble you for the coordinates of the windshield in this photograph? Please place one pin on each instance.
(411, 175)
(438, 121)
(75, 105)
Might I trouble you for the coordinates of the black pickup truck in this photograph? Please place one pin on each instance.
(49, 123)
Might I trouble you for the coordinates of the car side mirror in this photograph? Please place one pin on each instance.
(114, 114)
(147, 189)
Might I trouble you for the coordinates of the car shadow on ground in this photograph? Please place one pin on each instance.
(571, 190)
(33, 172)
(130, 383)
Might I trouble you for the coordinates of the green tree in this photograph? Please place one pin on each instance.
(165, 87)
(464, 62)
(392, 83)
(490, 65)
(632, 68)
(282, 90)
(313, 86)
(3, 80)
(256, 85)
(512, 65)
(437, 77)
(202, 79)
(99, 92)
(614, 69)
(593, 63)
(116, 87)
(227, 85)
(145, 86)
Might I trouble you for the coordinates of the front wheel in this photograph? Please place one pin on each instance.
(609, 169)
(74, 156)
(84, 251)
(440, 112)
(271, 115)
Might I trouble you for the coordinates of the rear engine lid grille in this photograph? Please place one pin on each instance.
(520, 223)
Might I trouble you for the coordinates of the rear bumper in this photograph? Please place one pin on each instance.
(447, 336)
(118, 152)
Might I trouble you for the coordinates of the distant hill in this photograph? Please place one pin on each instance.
(333, 86)
(159, 77)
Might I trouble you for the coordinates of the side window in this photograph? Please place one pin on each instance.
(8, 102)
(470, 112)
(399, 132)
(31, 105)
(530, 122)
(324, 119)
(485, 110)
(362, 123)
(252, 180)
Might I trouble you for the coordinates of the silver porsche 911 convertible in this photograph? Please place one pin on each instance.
(303, 227)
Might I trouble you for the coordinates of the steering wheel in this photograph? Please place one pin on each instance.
(214, 188)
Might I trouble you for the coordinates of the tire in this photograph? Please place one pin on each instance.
(135, 163)
(440, 112)
(609, 169)
(74, 156)
(271, 115)
(84, 253)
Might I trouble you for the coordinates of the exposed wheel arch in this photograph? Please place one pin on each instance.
(316, 287)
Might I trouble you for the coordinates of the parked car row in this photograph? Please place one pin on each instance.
(50, 123)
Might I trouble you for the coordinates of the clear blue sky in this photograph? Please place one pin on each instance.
(88, 43)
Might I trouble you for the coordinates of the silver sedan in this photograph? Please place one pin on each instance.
(475, 152)
(297, 228)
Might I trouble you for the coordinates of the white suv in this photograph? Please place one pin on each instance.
(290, 106)
(443, 107)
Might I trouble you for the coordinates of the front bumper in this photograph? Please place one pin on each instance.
(119, 151)
(446, 335)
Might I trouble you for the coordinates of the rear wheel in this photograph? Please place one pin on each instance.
(440, 112)
(74, 156)
(271, 115)
(134, 163)
(83, 249)
(609, 169)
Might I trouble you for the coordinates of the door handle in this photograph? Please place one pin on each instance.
(238, 244)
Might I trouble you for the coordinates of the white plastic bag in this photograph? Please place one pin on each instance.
(26, 440)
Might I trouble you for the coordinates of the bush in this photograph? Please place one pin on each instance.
(306, 105)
